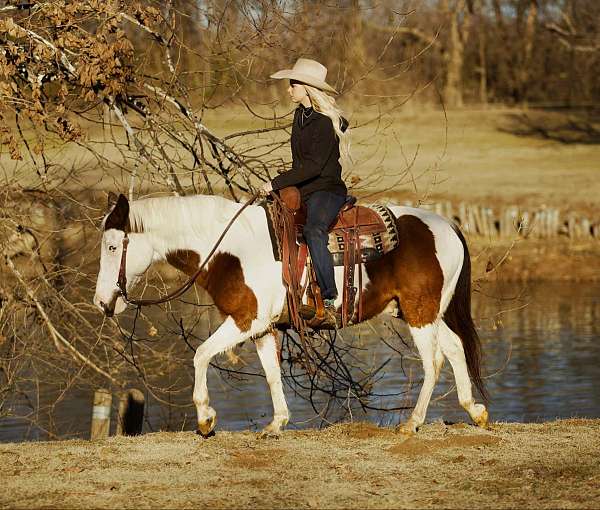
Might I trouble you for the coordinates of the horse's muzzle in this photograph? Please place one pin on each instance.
(108, 311)
(107, 307)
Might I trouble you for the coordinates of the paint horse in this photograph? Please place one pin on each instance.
(425, 281)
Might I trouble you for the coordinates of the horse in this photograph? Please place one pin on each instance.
(425, 281)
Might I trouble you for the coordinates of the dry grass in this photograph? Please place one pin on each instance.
(545, 465)
(475, 156)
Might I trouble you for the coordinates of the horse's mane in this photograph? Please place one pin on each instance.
(176, 214)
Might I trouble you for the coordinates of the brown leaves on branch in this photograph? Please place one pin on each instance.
(61, 57)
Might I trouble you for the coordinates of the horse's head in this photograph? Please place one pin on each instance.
(114, 263)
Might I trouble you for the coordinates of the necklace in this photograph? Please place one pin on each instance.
(304, 115)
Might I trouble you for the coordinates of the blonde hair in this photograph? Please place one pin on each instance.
(325, 104)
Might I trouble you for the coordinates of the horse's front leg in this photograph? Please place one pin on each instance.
(225, 337)
(269, 357)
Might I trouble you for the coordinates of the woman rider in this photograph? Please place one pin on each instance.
(319, 132)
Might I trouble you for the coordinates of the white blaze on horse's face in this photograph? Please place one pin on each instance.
(107, 296)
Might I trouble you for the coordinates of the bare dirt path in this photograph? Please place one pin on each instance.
(546, 465)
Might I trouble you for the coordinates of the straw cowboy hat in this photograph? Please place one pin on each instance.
(306, 71)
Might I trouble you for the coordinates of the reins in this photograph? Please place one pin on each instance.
(122, 281)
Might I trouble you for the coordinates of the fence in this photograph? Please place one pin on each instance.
(541, 223)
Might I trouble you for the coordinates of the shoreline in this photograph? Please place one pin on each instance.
(533, 260)
(351, 465)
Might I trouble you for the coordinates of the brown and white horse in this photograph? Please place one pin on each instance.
(425, 281)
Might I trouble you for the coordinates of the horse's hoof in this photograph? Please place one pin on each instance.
(482, 420)
(205, 436)
(206, 427)
(406, 429)
(272, 430)
(269, 434)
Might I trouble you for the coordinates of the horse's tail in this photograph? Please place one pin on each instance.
(458, 318)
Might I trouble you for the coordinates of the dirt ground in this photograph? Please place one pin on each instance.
(537, 465)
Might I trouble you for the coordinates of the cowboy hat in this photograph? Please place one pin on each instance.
(307, 71)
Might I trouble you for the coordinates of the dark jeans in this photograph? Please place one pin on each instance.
(322, 208)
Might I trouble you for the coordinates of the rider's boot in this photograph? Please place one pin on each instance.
(330, 318)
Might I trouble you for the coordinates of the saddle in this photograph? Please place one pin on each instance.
(354, 227)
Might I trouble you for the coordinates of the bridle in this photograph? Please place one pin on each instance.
(122, 279)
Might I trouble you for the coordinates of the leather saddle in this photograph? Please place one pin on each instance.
(350, 216)
(352, 222)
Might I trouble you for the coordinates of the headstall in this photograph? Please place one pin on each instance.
(122, 281)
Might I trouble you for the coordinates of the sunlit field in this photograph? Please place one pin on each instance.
(495, 155)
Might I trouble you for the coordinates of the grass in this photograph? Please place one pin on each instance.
(476, 155)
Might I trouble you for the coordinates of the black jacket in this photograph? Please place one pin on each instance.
(315, 155)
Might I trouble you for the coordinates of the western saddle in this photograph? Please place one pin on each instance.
(289, 217)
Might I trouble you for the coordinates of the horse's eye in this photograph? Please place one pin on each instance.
(112, 248)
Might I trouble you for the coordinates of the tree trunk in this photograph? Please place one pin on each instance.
(498, 14)
(454, 56)
(528, 38)
(482, 57)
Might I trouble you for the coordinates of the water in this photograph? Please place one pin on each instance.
(542, 354)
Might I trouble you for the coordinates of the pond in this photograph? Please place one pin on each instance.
(541, 345)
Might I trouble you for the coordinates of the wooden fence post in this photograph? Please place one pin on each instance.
(131, 413)
(449, 212)
(543, 223)
(585, 227)
(572, 225)
(555, 223)
(491, 220)
(462, 217)
(101, 414)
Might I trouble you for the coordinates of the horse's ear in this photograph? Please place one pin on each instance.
(112, 200)
(119, 216)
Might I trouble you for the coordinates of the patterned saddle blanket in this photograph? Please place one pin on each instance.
(376, 238)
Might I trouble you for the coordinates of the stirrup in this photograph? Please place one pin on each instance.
(307, 312)
(331, 320)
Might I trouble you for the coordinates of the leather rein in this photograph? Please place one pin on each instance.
(122, 280)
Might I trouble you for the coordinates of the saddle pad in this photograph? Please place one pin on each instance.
(373, 244)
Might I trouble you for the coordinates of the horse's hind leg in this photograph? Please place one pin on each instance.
(452, 348)
(269, 357)
(425, 338)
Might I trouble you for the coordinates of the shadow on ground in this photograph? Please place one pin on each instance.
(574, 127)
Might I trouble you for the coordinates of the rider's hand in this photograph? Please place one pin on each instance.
(267, 187)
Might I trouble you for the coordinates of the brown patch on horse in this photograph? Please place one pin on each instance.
(224, 281)
(410, 273)
(187, 261)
